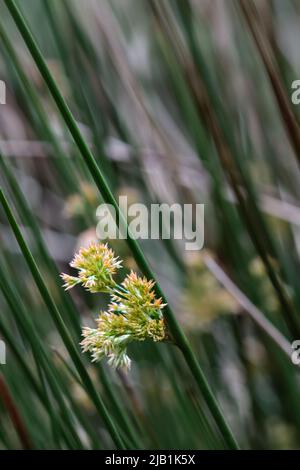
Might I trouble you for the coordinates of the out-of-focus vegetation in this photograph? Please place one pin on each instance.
(180, 101)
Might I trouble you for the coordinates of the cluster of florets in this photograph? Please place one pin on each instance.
(97, 265)
(134, 313)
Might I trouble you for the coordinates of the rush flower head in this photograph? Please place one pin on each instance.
(134, 313)
(97, 265)
(116, 331)
(135, 296)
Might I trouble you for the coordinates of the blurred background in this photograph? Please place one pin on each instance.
(180, 102)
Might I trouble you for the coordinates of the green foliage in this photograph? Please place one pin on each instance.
(150, 100)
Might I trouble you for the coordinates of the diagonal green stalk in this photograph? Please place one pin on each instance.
(28, 218)
(28, 329)
(204, 98)
(26, 214)
(20, 359)
(81, 418)
(44, 364)
(41, 393)
(39, 116)
(174, 327)
(67, 303)
(55, 314)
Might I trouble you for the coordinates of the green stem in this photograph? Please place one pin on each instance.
(108, 197)
(67, 303)
(61, 327)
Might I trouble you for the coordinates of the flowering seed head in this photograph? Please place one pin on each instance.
(136, 296)
(134, 314)
(115, 332)
(97, 265)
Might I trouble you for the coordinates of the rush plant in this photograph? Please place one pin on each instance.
(156, 103)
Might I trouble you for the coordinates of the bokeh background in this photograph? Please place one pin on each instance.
(180, 101)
